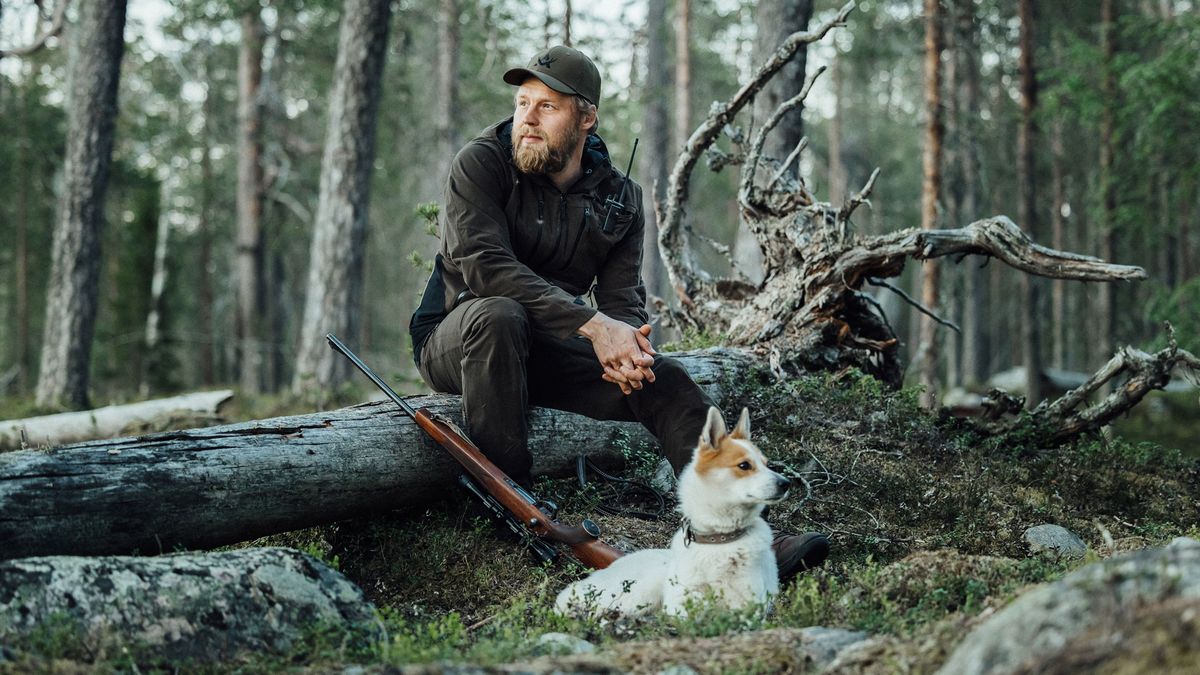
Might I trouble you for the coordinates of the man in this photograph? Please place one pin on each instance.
(529, 232)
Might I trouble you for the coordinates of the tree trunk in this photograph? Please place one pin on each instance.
(447, 98)
(71, 301)
(1058, 221)
(1106, 302)
(775, 21)
(683, 72)
(951, 280)
(250, 194)
(183, 608)
(340, 232)
(114, 420)
(1027, 208)
(204, 235)
(930, 195)
(837, 168)
(567, 24)
(216, 486)
(152, 358)
(975, 335)
(21, 253)
(655, 141)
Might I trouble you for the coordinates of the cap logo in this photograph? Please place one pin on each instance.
(545, 61)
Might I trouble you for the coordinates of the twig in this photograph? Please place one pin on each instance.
(56, 26)
(481, 623)
(860, 198)
(788, 162)
(918, 306)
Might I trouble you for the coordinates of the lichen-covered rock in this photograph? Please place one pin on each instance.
(182, 607)
(1102, 597)
(1055, 541)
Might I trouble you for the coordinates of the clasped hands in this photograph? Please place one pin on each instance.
(624, 351)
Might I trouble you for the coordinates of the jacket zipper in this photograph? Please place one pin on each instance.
(583, 226)
(541, 223)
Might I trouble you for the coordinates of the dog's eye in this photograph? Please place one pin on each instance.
(744, 466)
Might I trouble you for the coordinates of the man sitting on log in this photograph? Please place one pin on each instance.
(536, 217)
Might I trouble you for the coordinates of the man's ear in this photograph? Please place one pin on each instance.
(742, 430)
(587, 121)
(714, 430)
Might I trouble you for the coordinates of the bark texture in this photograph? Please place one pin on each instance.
(71, 300)
(339, 241)
(183, 608)
(209, 487)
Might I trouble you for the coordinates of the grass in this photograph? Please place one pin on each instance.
(926, 519)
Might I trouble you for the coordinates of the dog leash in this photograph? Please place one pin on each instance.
(616, 491)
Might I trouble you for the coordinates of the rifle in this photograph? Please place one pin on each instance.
(531, 519)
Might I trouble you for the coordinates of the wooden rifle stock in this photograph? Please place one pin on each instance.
(583, 541)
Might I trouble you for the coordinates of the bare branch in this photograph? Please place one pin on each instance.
(916, 305)
(788, 162)
(1147, 372)
(998, 237)
(751, 166)
(857, 200)
(55, 27)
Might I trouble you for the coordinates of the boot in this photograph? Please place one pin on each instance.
(795, 553)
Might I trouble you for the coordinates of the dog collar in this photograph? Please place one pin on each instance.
(690, 535)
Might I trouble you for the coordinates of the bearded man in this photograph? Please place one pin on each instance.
(526, 235)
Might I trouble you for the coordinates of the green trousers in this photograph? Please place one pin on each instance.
(486, 350)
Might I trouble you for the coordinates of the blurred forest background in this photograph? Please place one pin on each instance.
(228, 145)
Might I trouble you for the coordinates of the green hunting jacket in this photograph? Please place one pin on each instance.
(505, 233)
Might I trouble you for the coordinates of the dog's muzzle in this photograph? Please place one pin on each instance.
(782, 485)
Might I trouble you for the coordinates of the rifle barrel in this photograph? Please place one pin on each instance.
(337, 345)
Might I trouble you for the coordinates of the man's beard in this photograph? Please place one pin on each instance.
(548, 157)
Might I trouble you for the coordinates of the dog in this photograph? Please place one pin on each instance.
(722, 550)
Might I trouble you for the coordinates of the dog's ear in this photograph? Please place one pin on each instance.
(714, 430)
(742, 430)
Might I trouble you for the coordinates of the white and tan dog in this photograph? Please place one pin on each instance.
(723, 548)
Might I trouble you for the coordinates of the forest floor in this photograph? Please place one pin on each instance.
(926, 520)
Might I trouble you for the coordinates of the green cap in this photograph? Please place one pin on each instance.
(564, 70)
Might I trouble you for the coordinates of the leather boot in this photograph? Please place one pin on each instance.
(795, 553)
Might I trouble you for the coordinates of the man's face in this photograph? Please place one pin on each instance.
(547, 128)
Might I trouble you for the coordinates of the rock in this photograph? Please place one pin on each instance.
(819, 646)
(1102, 598)
(1055, 541)
(664, 477)
(678, 670)
(181, 608)
(561, 644)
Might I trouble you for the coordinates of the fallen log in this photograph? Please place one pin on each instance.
(220, 485)
(180, 609)
(176, 412)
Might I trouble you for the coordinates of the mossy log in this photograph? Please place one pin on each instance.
(219, 485)
(184, 608)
